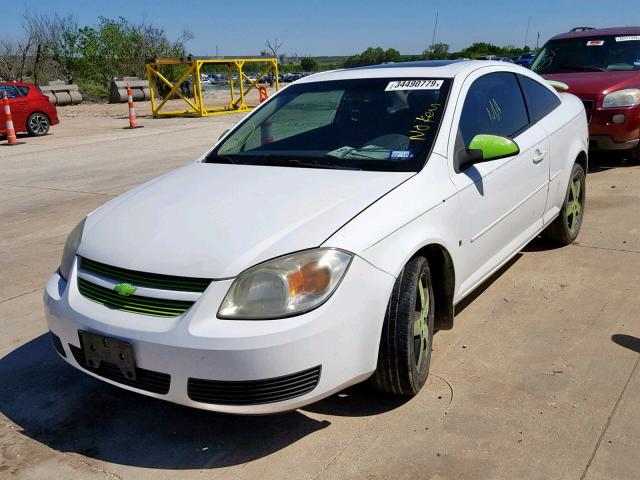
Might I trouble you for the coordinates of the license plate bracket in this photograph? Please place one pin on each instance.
(98, 348)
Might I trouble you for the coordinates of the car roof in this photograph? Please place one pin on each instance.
(420, 69)
(599, 32)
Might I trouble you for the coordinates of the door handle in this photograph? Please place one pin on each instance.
(539, 156)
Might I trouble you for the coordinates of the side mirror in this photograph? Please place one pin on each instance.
(483, 148)
(223, 134)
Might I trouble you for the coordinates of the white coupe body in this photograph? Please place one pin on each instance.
(217, 220)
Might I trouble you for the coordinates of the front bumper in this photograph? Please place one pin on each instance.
(340, 337)
(604, 134)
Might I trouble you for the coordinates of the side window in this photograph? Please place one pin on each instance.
(540, 100)
(12, 92)
(24, 91)
(494, 106)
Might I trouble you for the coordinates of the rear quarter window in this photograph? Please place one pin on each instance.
(540, 100)
(12, 91)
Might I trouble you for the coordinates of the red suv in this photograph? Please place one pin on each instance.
(601, 67)
(31, 111)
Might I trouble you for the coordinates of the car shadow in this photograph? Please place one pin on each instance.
(66, 410)
(602, 161)
(627, 341)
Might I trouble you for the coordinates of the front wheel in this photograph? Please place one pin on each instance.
(407, 332)
(565, 228)
(38, 124)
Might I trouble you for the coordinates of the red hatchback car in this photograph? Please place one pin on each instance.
(601, 67)
(31, 111)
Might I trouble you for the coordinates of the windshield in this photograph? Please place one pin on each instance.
(364, 124)
(586, 54)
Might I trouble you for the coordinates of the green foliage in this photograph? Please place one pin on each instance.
(437, 51)
(483, 48)
(373, 56)
(308, 64)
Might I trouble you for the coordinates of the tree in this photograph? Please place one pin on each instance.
(373, 56)
(272, 48)
(309, 64)
(437, 51)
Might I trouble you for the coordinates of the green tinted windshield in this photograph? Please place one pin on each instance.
(589, 54)
(367, 124)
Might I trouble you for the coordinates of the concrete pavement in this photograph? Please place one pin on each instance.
(539, 379)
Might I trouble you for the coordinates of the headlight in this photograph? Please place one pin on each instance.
(70, 249)
(622, 98)
(286, 286)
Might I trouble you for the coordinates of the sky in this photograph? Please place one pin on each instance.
(339, 27)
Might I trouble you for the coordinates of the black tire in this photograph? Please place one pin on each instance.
(404, 358)
(38, 124)
(634, 155)
(565, 229)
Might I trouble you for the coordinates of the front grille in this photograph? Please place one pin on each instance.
(141, 279)
(147, 380)
(253, 392)
(57, 344)
(157, 307)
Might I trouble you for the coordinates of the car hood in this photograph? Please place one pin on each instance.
(215, 220)
(597, 83)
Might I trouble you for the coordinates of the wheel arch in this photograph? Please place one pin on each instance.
(583, 160)
(444, 280)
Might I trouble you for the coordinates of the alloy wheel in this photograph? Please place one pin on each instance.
(38, 124)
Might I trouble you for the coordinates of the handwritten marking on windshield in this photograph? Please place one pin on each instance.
(423, 123)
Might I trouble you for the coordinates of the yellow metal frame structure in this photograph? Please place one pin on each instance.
(197, 108)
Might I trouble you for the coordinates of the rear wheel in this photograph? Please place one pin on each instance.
(38, 124)
(566, 227)
(407, 332)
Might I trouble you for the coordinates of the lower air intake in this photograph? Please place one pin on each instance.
(253, 392)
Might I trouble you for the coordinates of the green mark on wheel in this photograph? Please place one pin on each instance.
(421, 324)
(125, 289)
(574, 208)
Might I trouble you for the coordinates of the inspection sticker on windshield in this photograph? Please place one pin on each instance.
(595, 43)
(399, 154)
(628, 38)
(414, 85)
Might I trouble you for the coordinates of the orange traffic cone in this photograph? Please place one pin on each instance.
(11, 132)
(263, 93)
(133, 119)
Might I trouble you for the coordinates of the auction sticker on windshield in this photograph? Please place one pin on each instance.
(595, 43)
(628, 38)
(414, 85)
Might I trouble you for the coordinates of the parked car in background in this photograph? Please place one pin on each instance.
(506, 59)
(31, 110)
(488, 57)
(602, 68)
(322, 240)
(526, 59)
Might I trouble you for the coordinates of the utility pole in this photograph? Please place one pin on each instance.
(217, 55)
(526, 35)
(538, 42)
(433, 38)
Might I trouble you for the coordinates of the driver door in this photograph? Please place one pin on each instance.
(502, 200)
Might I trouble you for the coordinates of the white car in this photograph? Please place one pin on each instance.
(324, 239)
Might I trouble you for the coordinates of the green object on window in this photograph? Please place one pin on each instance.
(494, 146)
